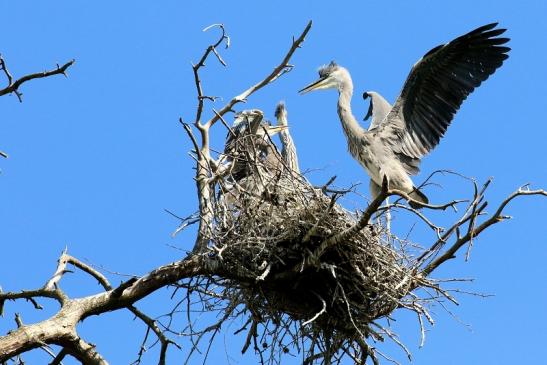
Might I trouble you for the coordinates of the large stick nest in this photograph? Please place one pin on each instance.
(280, 233)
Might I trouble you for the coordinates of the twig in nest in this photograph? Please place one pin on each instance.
(323, 309)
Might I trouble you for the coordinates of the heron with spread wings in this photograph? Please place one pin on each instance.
(401, 135)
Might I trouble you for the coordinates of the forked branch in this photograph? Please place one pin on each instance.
(278, 71)
(473, 231)
(13, 86)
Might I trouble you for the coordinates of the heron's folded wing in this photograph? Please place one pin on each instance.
(379, 108)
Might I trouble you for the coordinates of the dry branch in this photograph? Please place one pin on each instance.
(473, 231)
(60, 329)
(13, 86)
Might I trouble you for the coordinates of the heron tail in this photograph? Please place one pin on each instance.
(418, 196)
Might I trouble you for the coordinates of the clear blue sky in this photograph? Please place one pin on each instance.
(96, 158)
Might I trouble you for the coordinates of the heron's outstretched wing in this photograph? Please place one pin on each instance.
(378, 109)
(436, 87)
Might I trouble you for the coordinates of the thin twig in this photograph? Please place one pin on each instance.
(495, 218)
(278, 70)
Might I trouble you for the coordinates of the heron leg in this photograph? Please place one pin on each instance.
(375, 190)
(388, 218)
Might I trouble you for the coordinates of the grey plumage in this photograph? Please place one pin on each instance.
(250, 135)
(433, 92)
(250, 122)
(250, 158)
(288, 150)
(378, 109)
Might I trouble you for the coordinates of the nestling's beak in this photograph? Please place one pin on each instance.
(319, 84)
(272, 130)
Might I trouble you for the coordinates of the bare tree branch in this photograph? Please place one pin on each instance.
(201, 63)
(62, 326)
(13, 86)
(473, 232)
(278, 71)
(60, 356)
(83, 351)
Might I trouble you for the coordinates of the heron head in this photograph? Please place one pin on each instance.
(331, 76)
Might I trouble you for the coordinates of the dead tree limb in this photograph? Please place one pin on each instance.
(473, 231)
(13, 86)
(60, 329)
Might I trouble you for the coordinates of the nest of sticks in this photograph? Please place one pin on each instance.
(307, 278)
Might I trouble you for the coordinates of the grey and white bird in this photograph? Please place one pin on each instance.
(288, 149)
(248, 144)
(251, 122)
(432, 93)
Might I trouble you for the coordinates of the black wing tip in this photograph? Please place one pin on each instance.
(502, 49)
(503, 40)
(487, 37)
(488, 30)
(485, 28)
(491, 34)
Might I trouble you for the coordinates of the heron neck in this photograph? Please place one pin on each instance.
(352, 129)
(288, 152)
(285, 137)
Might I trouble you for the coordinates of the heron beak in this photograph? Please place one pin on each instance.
(316, 85)
(273, 130)
(369, 113)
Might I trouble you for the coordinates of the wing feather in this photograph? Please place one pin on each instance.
(379, 108)
(437, 86)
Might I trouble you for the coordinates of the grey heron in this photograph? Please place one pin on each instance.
(288, 150)
(433, 92)
(251, 122)
(250, 138)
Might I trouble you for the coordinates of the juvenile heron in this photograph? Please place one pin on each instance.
(432, 93)
(248, 144)
(288, 150)
(250, 158)
(251, 122)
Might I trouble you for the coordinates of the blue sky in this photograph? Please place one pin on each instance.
(96, 158)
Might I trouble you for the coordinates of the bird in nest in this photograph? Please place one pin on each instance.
(249, 144)
(399, 136)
